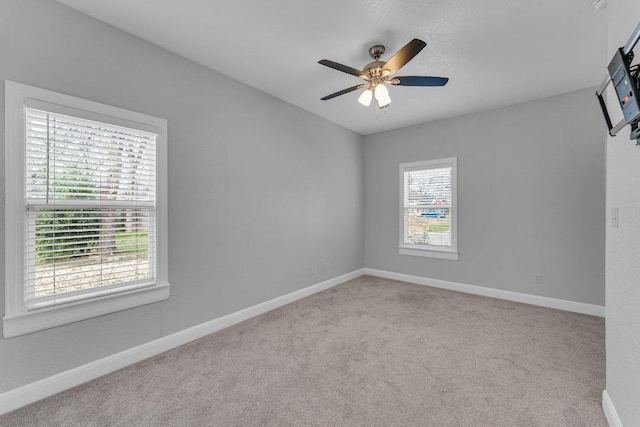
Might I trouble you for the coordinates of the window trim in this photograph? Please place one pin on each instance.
(439, 252)
(17, 320)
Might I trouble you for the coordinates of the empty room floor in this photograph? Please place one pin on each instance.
(369, 352)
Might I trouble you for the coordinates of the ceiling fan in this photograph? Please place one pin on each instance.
(377, 73)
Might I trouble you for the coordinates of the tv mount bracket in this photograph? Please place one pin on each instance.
(626, 81)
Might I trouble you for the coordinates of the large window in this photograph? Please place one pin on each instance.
(86, 214)
(428, 205)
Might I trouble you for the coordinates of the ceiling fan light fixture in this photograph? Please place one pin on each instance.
(381, 92)
(384, 103)
(365, 97)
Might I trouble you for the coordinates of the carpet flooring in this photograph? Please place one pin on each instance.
(369, 352)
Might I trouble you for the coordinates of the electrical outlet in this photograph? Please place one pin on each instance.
(311, 270)
(537, 279)
(324, 267)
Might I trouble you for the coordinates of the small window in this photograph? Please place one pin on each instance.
(428, 205)
(87, 213)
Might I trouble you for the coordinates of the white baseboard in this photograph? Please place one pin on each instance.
(610, 411)
(38, 390)
(560, 304)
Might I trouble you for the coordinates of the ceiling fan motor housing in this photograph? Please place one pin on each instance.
(375, 71)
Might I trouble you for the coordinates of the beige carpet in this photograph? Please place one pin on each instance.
(370, 352)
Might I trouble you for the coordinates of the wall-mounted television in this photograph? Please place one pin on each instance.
(626, 81)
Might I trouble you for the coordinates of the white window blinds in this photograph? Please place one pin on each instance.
(427, 206)
(90, 208)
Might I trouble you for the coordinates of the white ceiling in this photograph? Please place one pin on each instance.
(496, 52)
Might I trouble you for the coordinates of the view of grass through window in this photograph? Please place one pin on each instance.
(77, 251)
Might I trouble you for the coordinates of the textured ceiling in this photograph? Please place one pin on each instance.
(496, 52)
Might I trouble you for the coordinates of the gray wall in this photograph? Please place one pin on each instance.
(531, 194)
(258, 189)
(623, 244)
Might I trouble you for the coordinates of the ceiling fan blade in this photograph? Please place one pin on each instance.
(340, 67)
(343, 91)
(404, 55)
(419, 81)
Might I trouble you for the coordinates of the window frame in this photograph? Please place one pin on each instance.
(431, 251)
(17, 319)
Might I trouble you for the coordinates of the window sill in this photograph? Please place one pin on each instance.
(428, 253)
(36, 320)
